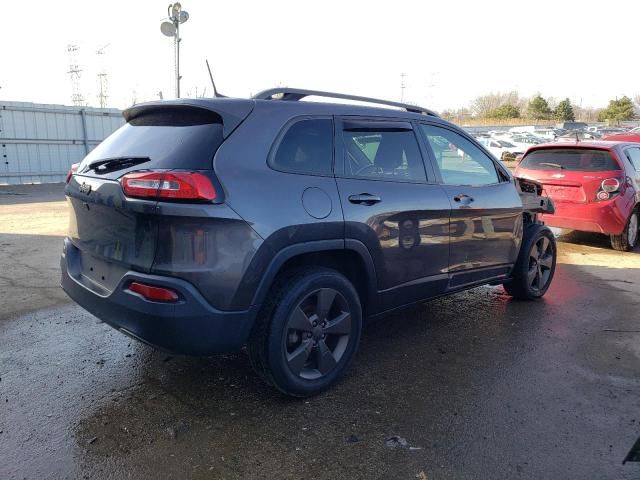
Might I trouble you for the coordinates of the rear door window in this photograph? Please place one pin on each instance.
(306, 147)
(570, 159)
(382, 151)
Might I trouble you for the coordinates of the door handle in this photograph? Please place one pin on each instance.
(464, 199)
(364, 199)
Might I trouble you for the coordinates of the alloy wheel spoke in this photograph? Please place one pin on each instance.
(341, 325)
(534, 252)
(545, 246)
(531, 275)
(326, 360)
(298, 358)
(544, 278)
(326, 297)
(539, 283)
(300, 321)
(547, 261)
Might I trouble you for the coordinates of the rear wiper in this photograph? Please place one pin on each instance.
(112, 164)
(555, 165)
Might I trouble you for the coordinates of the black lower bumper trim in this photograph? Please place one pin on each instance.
(190, 326)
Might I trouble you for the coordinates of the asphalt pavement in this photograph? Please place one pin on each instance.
(473, 386)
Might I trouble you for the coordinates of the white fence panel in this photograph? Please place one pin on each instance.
(38, 142)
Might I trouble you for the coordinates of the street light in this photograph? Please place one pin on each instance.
(171, 28)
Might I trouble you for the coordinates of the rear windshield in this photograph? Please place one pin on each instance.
(572, 159)
(170, 138)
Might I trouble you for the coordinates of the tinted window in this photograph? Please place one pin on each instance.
(307, 147)
(572, 159)
(388, 155)
(633, 154)
(460, 162)
(170, 137)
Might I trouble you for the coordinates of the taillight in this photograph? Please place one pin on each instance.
(169, 185)
(610, 185)
(72, 171)
(155, 294)
(609, 188)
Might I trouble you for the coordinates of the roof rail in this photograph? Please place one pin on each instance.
(295, 94)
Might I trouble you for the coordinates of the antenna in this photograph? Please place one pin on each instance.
(402, 86)
(102, 78)
(74, 75)
(215, 91)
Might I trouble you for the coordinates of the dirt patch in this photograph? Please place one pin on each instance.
(30, 245)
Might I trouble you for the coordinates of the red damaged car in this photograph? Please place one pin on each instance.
(595, 186)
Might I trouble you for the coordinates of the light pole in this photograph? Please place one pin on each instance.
(171, 28)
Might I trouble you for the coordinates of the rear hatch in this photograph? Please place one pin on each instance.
(571, 174)
(113, 232)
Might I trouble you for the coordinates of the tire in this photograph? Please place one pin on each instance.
(289, 347)
(536, 265)
(628, 239)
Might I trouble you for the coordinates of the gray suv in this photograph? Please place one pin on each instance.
(202, 226)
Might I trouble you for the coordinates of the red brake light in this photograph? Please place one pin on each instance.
(170, 185)
(155, 294)
(72, 171)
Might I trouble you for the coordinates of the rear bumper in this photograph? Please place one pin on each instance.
(607, 217)
(190, 326)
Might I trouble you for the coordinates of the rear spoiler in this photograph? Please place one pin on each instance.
(233, 111)
(532, 199)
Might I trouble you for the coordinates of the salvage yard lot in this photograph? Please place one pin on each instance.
(480, 386)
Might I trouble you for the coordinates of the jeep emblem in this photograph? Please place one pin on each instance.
(85, 188)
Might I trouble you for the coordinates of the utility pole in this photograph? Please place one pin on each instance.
(74, 75)
(402, 86)
(171, 28)
(102, 78)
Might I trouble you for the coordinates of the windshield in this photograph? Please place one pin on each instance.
(572, 159)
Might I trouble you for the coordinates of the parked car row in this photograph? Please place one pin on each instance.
(522, 137)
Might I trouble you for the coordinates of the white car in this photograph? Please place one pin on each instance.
(547, 134)
(526, 141)
(501, 148)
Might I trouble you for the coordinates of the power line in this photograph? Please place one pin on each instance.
(103, 81)
(74, 75)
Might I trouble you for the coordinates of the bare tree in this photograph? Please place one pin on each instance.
(485, 104)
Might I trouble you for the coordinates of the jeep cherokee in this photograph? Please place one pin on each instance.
(201, 226)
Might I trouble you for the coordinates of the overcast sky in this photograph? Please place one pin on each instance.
(451, 51)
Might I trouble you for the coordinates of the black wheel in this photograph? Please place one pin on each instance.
(628, 239)
(307, 336)
(533, 272)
